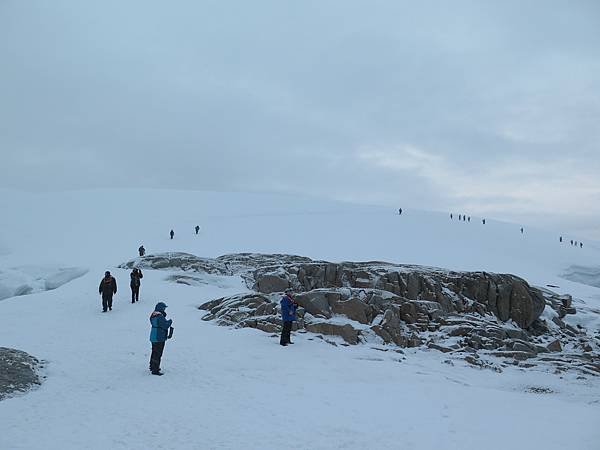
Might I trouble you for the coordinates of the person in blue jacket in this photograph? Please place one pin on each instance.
(288, 315)
(158, 336)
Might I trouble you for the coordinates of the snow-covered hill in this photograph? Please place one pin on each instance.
(238, 389)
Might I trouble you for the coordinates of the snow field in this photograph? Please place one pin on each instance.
(232, 389)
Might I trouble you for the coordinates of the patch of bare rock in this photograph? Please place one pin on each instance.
(18, 372)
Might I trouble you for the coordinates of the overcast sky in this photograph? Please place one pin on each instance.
(491, 108)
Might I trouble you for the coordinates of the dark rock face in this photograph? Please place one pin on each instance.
(506, 296)
(18, 372)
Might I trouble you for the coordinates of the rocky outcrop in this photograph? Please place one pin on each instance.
(18, 372)
(369, 315)
(506, 296)
(462, 314)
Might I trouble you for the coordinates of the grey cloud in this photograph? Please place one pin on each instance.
(285, 96)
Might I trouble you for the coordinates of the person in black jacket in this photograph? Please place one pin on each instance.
(197, 228)
(142, 250)
(135, 275)
(108, 287)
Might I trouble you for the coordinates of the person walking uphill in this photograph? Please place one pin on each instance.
(288, 315)
(135, 275)
(158, 336)
(108, 288)
(171, 233)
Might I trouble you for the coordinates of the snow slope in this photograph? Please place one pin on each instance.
(228, 388)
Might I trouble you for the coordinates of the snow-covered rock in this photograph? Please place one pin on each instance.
(23, 280)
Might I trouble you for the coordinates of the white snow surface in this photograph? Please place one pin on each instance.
(225, 388)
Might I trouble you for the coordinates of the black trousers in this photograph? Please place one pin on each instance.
(157, 351)
(106, 302)
(285, 332)
(135, 293)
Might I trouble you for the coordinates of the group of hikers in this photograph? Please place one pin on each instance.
(161, 327)
(108, 288)
(142, 250)
(172, 233)
(465, 218)
(573, 243)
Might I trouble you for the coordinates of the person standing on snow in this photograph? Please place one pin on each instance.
(135, 275)
(142, 250)
(172, 233)
(158, 336)
(108, 287)
(197, 228)
(288, 315)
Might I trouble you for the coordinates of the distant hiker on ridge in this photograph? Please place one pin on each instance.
(560, 239)
(197, 228)
(450, 216)
(108, 287)
(288, 315)
(469, 218)
(135, 275)
(521, 230)
(571, 241)
(581, 245)
(459, 217)
(483, 221)
(142, 250)
(400, 212)
(172, 233)
(160, 332)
